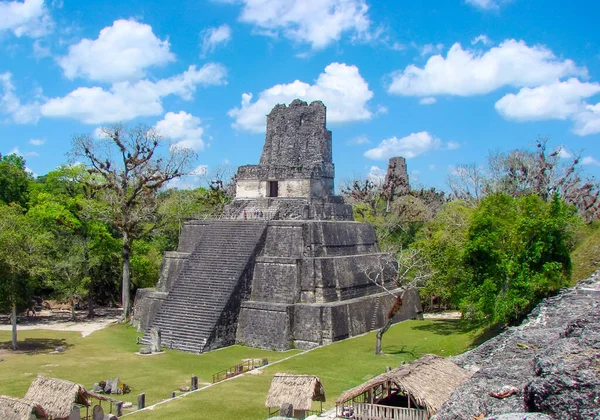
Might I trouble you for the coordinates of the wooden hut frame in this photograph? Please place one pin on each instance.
(298, 390)
(58, 397)
(20, 409)
(426, 383)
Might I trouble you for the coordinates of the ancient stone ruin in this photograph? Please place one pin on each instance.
(285, 266)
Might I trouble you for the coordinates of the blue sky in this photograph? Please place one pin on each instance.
(441, 83)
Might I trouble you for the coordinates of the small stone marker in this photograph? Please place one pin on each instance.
(286, 410)
(155, 341)
(265, 361)
(184, 388)
(1, 359)
(145, 350)
(119, 407)
(115, 387)
(194, 382)
(127, 404)
(98, 412)
(97, 388)
(172, 394)
(110, 417)
(75, 414)
(141, 403)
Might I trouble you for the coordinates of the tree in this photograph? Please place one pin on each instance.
(518, 250)
(130, 166)
(405, 270)
(17, 262)
(14, 180)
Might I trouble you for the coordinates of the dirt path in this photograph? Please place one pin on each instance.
(60, 321)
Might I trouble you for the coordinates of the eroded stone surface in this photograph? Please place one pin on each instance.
(553, 359)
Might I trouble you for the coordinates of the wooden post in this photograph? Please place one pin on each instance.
(194, 383)
(141, 402)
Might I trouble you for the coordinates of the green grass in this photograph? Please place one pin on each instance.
(340, 366)
(586, 256)
(111, 352)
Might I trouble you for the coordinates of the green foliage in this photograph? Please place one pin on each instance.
(14, 180)
(518, 252)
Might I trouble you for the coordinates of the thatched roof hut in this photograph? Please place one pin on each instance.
(429, 380)
(57, 396)
(298, 390)
(19, 409)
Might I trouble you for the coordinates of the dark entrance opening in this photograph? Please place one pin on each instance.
(273, 189)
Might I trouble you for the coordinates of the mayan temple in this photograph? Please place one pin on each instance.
(285, 265)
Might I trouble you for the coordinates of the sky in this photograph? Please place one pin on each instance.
(442, 83)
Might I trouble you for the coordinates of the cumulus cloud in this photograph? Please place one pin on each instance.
(587, 121)
(484, 39)
(411, 146)
(564, 153)
(121, 52)
(340, 87)
(376, 175)
(558, 100)
(125, 100)
(429, 49)
(28, 18)
(428, 100)
(11, 105)
(589, 160)
(37, 142)
(191, 181)
(465, 72)
(183, 128)
(315, 22)
(214, 37)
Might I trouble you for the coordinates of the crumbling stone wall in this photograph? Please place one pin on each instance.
(296, 135)
(396, 178)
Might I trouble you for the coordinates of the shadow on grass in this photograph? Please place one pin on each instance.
(458, 326)
(36, 345)
(402, 350)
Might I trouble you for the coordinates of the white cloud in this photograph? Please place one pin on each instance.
(429, 49)
(16, 151)
(589, 160)
(188, 182)
(40, 50)
(37, 142)
(428, 100)
(340, 87)
(356, 141)
(431, 167)
(484, 39)
(316, 22)
(11, 104)
(121, 52)
(484, 4)
(214, 37)
(183, 128)
(125, 101)
(28, 18)
(564, 153)
(587, 121)
(411, 146)
(558, 100)
(469, 72)
(452, 145)
(376, 175)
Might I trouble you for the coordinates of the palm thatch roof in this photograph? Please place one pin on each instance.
(19, 409)
(298, 390)
(57, 396)
(429, 380)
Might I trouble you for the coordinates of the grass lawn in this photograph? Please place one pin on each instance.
(111, 352)
(340, 366)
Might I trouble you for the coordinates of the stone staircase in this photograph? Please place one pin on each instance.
(201, 309)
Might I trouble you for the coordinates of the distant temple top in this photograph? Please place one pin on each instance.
(296, 158)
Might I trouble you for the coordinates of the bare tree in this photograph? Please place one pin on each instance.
(408, 270)
(468, 182)
(131, 167)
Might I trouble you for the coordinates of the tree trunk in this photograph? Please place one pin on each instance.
(379, 335)
(72, 309)
(91, 313)
(126, 275)
(14, 327)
